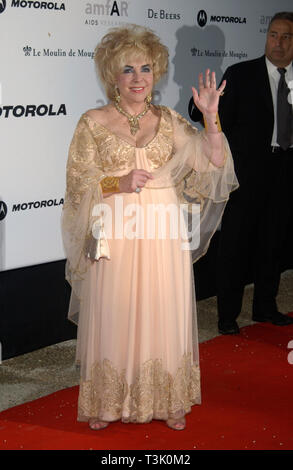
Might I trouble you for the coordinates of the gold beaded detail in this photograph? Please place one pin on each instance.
(110, 184)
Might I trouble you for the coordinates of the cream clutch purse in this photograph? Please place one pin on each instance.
(97, 244)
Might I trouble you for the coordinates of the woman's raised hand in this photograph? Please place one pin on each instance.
(207, 98)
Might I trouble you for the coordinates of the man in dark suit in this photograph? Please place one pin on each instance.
(258, 123)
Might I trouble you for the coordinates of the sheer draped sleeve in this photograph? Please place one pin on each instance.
(83, 192)
(197, 181)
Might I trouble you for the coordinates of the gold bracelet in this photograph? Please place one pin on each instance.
(110, 184)
(217, 123)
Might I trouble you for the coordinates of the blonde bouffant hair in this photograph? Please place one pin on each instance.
(122, 44)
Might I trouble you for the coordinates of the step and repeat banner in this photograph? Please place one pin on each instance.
(48, 79)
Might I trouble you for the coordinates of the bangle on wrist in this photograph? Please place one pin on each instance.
(217, 122)
(110, 184)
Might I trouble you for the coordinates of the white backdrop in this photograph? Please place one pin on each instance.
(47, 80)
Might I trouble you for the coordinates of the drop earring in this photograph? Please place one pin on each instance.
(117, 95)
(148, 99)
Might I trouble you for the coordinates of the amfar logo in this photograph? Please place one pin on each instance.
(2, 5)
(108, 8)
(3, 210)
(202, 18)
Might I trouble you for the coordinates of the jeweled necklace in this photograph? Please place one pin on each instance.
(133, 120)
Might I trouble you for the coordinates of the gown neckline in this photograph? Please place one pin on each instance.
(96, 123)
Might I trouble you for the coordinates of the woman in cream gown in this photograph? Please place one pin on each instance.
(132, 281)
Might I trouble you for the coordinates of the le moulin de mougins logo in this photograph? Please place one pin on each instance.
(46, 52)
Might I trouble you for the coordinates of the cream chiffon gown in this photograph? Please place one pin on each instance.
(137, 335)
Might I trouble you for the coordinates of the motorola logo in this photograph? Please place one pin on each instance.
(32, 110)
(32, 4)
(2, 5)
(202, 18)
(3, 210)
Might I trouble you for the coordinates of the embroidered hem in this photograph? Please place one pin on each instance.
(154, 394)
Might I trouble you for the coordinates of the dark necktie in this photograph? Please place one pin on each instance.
(284, 113)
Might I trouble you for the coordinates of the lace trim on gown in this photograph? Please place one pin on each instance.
(154, 394)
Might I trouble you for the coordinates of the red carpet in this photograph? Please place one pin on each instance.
(247, 384)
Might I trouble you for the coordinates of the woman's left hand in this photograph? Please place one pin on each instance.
(207, 99)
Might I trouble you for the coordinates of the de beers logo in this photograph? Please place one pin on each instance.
(2, 5)
(3, 210)
(202, 18)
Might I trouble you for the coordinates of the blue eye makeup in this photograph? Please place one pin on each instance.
(144, 68)
(127, 69)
